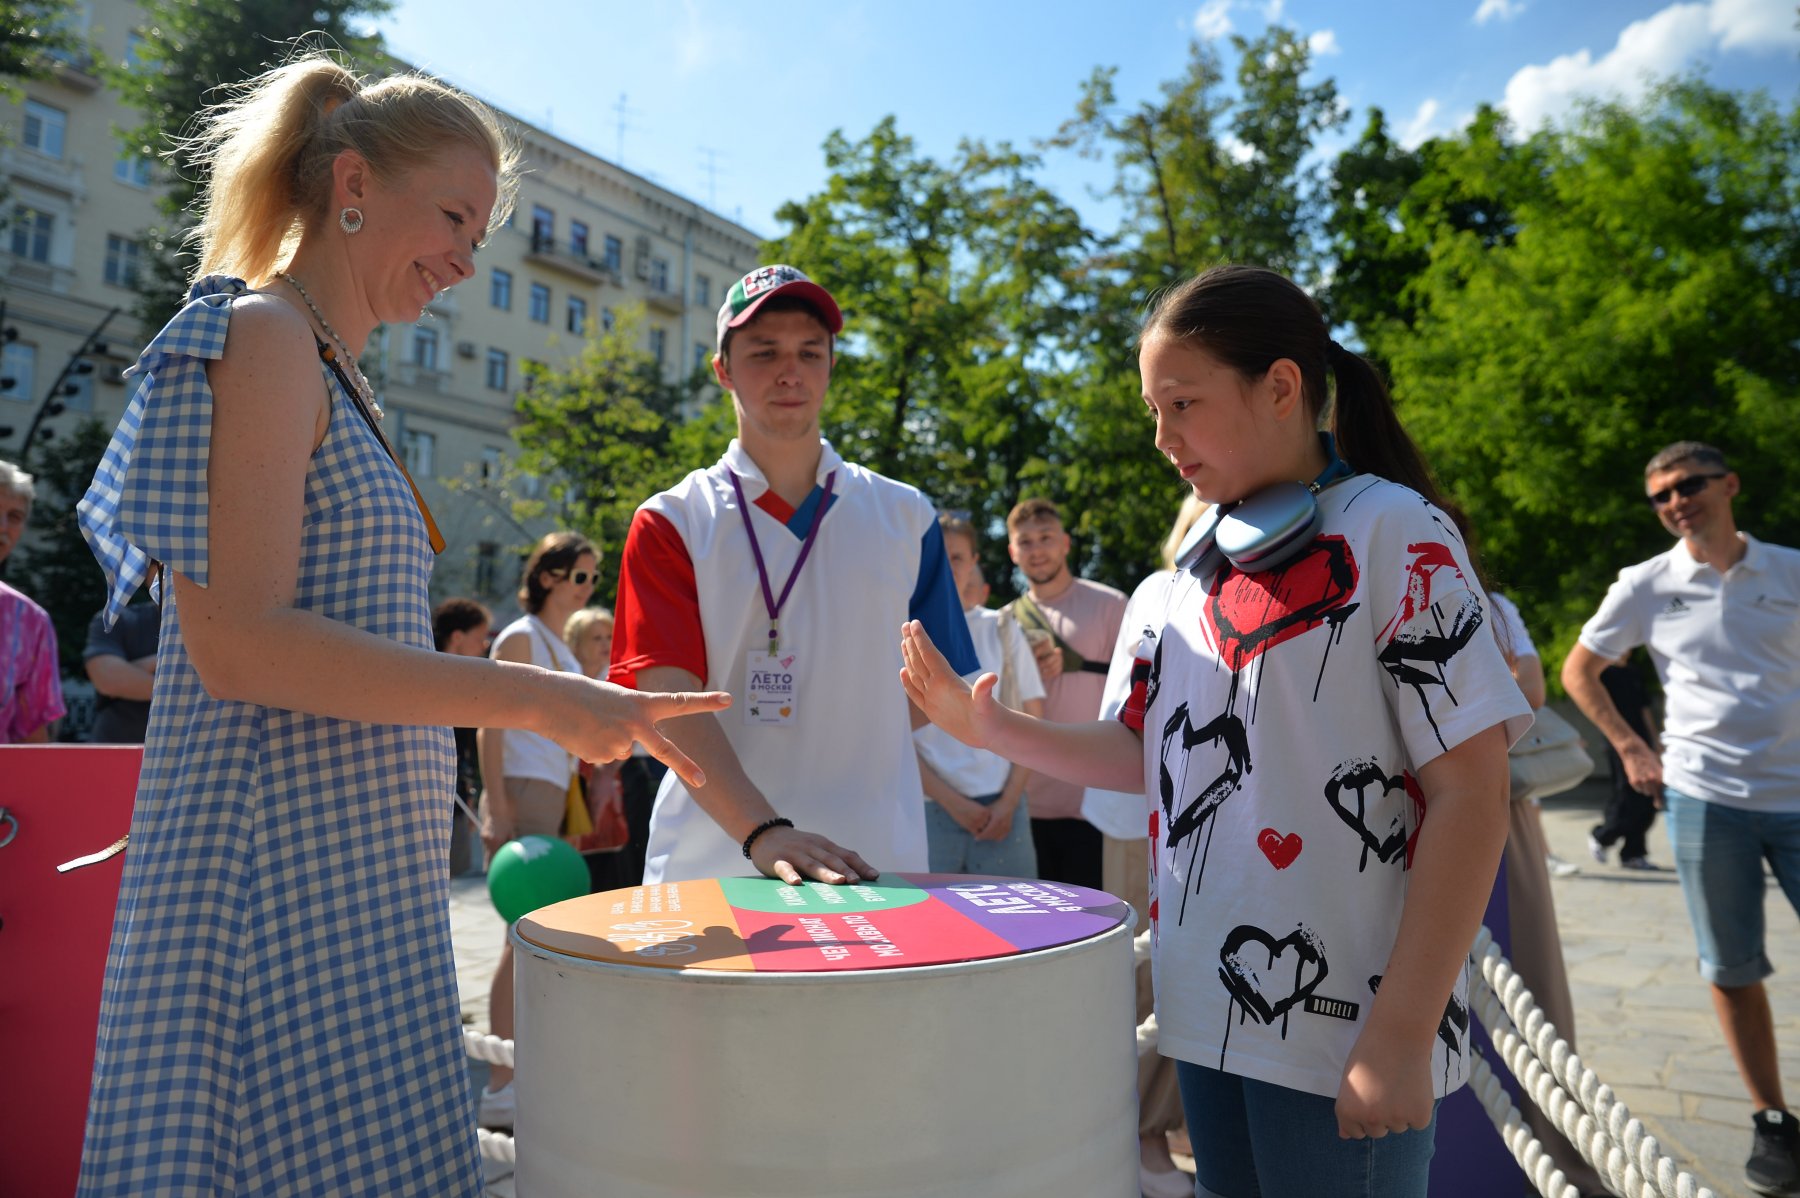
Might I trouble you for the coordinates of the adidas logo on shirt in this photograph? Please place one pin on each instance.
(1676, 607)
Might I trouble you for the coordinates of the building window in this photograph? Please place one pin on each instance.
(493, 462)
(530, 371)
(606, 319)
(614, 257)
(45, 128)
(487, 568)
(419, 451)
(578, 238)
(540, 303)
(543, 227)
(133, 43)
(659, 344)
(500, 290)
(496, 369)
(703, 291)
(577, 314)
(121, 261)
(659, 274)
(18, 371)
(425, 348)
(31, 234)
(133, 170)
(701, 353)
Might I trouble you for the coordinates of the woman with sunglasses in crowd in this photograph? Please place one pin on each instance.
(525, 777)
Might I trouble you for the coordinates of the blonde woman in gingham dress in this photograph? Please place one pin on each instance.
(280, 1010)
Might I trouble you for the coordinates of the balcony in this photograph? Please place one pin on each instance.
(548, 251)
(664, 300)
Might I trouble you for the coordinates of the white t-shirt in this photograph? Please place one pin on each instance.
(528, 755)
(1117, 814)
(1727, 648)
(690, 597)
(977, 772)
(1518, 636)
(1285, 716)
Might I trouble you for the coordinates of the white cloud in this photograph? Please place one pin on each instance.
(1272, 10)
(1498, 10)
(1765, 25)
(700, 42)
(1662, 44)
(1323, 42)
(1240, 152)
(1421, 125)
(1213, 20)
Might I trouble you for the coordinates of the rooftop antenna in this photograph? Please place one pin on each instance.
(624, 111)
(711, 167)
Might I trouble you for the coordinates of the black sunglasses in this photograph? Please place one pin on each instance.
(1687, 488)
(578, 577)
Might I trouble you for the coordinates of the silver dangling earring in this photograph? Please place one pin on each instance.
(350, 220)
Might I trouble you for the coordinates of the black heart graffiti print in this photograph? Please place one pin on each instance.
(1266, 976)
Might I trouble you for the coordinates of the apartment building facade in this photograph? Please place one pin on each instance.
(586, 239)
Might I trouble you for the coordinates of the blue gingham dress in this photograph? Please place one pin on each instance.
(280, 1012)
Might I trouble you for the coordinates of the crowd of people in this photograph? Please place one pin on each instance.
(804, 679)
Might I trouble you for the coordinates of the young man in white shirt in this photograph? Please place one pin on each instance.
(1720, 613)
(783, 573)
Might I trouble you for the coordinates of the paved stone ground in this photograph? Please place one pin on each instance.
(1645, 1021)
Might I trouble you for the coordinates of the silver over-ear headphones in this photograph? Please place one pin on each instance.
(1265, 530)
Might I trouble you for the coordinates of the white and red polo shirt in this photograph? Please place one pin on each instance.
(689, 596)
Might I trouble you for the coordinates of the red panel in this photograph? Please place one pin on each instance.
(69, 800)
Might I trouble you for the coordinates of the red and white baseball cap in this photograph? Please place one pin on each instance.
(749, 293)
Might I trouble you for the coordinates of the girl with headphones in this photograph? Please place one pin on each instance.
(1319, 723)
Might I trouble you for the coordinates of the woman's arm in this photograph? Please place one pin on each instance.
(1528, 672)
(1103, 753)
(250, 644)
(1387, 1083)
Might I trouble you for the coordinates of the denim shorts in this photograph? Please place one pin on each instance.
(1719, 854)
(1254, 1138)
(953, 850)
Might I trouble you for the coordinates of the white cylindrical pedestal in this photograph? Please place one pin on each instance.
(1010, 1075)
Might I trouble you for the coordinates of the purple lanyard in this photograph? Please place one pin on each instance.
(762, 571)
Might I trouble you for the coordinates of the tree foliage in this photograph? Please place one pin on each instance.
(190, 50)
(34, 35)
(1583, 297)
(54, 565)
(602, 434)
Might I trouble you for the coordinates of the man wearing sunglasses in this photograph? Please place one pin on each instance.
(1720, 613)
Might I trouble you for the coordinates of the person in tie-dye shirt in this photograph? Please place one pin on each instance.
(30, 694)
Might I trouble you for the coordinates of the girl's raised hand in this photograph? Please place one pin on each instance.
(967, 713)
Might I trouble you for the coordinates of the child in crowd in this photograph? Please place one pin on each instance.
(1320, 721)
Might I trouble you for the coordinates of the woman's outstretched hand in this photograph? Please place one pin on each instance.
(970, 714)
(598, 721)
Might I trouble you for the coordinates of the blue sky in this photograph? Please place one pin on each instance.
(753, 89)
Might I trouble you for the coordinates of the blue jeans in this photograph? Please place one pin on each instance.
(954, 850)
(1255, 1138)
(1719, 855)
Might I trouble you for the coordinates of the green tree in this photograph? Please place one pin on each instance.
(1590, 294)
(601, 434)
(190, 49)
(34, 36)
(953, 277)
(55, 566)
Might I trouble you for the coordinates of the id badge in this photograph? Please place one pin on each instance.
(771, 682)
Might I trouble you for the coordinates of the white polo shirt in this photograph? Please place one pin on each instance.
(689, 597)
(1727, 648)
(977, 772)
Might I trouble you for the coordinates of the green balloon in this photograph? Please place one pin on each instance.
(533, 872)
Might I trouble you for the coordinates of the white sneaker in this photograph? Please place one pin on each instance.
(1173, 1184)
(496, 1107)
(1558, 867)
(1596, 849)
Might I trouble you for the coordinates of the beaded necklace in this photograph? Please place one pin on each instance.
(363, 388)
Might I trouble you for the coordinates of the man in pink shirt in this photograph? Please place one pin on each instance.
(1072, 624)
(30, 693)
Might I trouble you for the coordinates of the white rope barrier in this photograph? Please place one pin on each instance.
(496, 1146)
(1581, 1106)
(491, 1049)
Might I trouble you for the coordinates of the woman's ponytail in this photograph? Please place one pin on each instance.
(256, 201)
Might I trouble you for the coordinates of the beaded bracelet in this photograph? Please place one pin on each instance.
(777, 822)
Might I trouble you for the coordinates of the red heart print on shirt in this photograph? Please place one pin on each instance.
(1249, 613)
(1280, 850)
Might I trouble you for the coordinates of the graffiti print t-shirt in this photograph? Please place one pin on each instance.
(1285, 716)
